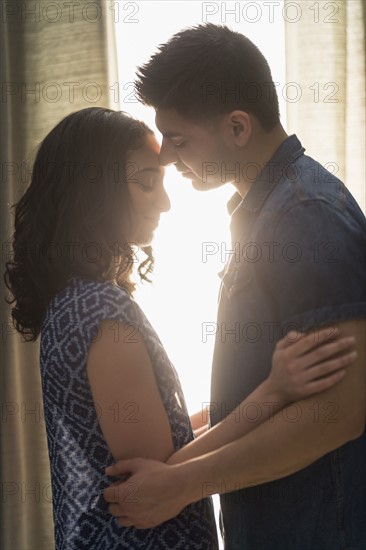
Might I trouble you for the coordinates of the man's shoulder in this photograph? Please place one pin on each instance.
(306, 190)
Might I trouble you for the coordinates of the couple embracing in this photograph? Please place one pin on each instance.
(146, 483)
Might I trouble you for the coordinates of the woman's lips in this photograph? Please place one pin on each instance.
(153, 220)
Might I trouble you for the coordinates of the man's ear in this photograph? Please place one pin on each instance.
(239, 127)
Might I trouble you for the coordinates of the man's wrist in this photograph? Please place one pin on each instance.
(193, 479)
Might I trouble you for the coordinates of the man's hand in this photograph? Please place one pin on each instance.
(152, 494)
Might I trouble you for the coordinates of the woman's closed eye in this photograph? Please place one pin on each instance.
(146, 186)
(148, 183)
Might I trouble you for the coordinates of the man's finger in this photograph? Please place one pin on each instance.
(121, 467)
(112, 492)
(116, 510)
(125, 522)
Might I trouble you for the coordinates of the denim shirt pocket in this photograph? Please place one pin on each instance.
(235, 281)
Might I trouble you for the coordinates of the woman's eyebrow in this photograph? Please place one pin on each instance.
(150, 169)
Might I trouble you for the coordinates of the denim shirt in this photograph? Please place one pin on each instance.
(297, 262)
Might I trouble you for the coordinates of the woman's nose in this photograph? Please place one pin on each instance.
(162, 201)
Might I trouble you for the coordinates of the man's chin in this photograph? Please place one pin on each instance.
(200, 185)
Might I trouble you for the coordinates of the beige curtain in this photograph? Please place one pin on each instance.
(325, 62)
(56, 57)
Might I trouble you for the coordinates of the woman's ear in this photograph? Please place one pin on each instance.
(239, 127)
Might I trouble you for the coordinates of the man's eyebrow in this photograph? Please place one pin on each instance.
(172, 134)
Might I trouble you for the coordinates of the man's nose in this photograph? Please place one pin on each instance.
(167, 154)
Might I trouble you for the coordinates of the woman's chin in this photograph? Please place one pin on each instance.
(144, 241)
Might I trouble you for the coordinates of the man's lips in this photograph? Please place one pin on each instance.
(183, 169)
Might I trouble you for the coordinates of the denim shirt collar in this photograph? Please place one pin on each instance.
(288, 151)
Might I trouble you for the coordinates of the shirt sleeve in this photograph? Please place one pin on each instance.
(318, 274)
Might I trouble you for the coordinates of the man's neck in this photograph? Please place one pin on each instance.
(258, 153)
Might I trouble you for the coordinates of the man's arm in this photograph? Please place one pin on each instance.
(199, 421)
(299, 435)
(300, 367)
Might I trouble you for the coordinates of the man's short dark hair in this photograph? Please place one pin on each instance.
(206, 71)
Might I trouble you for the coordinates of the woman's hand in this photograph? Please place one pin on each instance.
(304, 364)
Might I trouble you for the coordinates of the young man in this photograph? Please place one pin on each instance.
(296, 481)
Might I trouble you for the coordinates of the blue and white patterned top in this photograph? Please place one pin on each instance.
(77, 449)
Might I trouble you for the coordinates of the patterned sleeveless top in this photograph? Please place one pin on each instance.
(77, 449)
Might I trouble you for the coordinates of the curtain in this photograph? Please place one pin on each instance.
(56, 58)
(325, 73)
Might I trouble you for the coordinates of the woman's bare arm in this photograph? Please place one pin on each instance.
(126, 397)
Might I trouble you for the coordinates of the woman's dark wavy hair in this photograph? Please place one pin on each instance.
(209, 70)
(73, 219)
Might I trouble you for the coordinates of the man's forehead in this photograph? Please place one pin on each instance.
(169, 122)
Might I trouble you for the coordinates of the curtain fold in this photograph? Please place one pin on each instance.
(56, 58)
(325, 64)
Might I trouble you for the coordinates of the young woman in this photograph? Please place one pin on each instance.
(109, 389)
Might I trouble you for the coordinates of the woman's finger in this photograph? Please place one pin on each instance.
(300, 342)
(314, 339)
(318, 386)
(331, 365)
(320, 354)
(290, 339)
